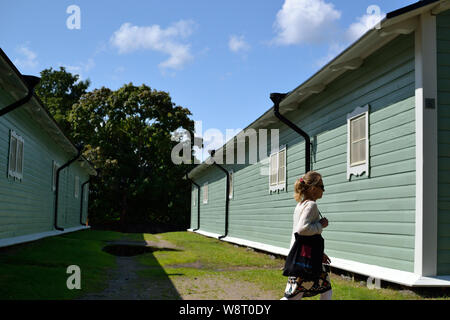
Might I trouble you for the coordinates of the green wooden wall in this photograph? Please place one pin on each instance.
(371, 218)
(27, 206)
(212, 214)
(443, 61)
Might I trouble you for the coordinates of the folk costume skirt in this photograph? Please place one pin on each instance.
(310, 288)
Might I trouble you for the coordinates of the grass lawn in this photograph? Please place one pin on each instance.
(181, 265)
(37, 270)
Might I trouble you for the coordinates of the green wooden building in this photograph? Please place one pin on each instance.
(378, 120)
(33, 152)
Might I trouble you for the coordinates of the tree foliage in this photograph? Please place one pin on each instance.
(59, 90)
(127, 134)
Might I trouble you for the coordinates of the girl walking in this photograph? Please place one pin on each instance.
(307, 222)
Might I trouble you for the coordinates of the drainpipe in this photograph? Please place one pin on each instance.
(81, 206)
(198, 201)
(57, 185)
(227, 199)
(277, 98)
(31, 82)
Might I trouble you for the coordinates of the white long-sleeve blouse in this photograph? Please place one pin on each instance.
(306, 220)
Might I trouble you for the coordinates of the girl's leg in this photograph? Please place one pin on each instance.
(299, 296)
(326, 295)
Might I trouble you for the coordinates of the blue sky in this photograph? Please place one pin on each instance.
(220, 59)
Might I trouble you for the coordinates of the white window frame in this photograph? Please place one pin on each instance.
(55, 167)
(13, 172)
(77, 187)
(278, 186)
(205, 193)
(360, 168)
(230, 191)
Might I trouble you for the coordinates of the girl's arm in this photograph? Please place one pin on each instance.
(309, 224)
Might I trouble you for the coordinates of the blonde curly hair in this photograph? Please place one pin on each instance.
(303, 184)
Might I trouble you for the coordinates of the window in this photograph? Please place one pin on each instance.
(205, 193)
(193, 199)
(230, 190)
(277, 171)
(77, 186)
(15, 163)
(55, 167)
(358, 142)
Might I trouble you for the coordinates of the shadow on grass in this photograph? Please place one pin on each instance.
(38, 270)
(133, 280)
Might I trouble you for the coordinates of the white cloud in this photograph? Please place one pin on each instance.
(238, 43)
(81, 68)
(305, 21)
(347, 36)
(130, 38)
(27, 59)
(365, 23)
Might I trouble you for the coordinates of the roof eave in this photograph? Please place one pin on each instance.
(401, 21)
(37, 110)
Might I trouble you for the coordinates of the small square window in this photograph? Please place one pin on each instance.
(77, 186)
(205, 193)
(358, 142)
(230, 190)
(277, 170)
(55, 167)
(16, 156)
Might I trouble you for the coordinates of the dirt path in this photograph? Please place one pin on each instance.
(126, 284)
(123, 283)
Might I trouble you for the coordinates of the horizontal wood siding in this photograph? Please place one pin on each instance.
(27, 206)
(443, 61)
(212, 213)
(371, 219)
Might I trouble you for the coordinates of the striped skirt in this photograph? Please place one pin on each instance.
(309, 288)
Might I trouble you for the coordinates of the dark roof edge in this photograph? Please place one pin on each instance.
(409, 8)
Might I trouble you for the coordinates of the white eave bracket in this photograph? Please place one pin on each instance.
(405, 27)
(318, 88)
(444, 6)
(352, 64)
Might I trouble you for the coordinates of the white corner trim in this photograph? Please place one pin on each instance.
(358, 169)
(425, 250)
(387, 274)
(36, 236)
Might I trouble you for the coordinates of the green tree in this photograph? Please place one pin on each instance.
(59, 90)
(127, 134)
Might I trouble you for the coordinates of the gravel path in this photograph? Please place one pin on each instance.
(126, 284)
